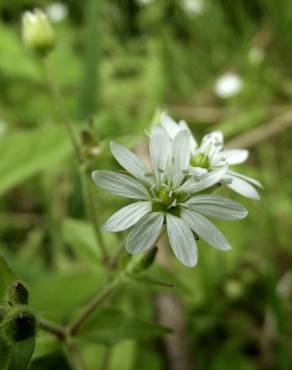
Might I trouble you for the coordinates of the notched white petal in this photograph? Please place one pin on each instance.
(160, 148)
(205, 229)
(193, 143)
(145, 233)
(120, 184)
(235, 156)
(129, 160)
(247, 178)
(180, 155)
(217, 206)
(169, 125)
(181, 240)
(194, 185)
(244, 188)
(127, 216)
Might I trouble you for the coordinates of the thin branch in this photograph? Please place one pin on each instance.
(65, 120)
(52, 328)
(92, 305)
(73, 355)
(262, 133)
(91, 213)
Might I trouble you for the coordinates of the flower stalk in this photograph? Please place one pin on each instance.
(86, 186)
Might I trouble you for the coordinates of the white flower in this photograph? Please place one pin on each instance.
(167, 197)
(144, 2)
(57, 12)
(228, 85)
(211, 155)
(193, 7)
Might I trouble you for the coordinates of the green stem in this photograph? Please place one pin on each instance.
(91, 212)
(60, 103)
(89, 309)
(73, 355)
(53, 328)
(86, 188)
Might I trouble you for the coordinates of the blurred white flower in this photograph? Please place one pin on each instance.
(284, 287)
(256, 55)
(37, 31)
(193, 7)
(57, 12)
(228, 85)
(168, 198)
(144, 2)
(211, 155)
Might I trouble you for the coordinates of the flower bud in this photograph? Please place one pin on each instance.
(37, 32)
(17, 294)
(19, 324)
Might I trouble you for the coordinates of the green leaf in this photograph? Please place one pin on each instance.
(27, 153)
(4, 352)
(57, 296)
(6, 278)
(80, 236)
(45, 344)
(125, 353)
(20, 354)
(110, 326)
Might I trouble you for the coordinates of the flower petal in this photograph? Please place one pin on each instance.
(217, 206)
(184, 126)
(247, 178)
(120, 184)
(127, 216)
(160, 148)
(235, 156)
(145, 233)
(244, 188)
(214, 137)
(181, 240)
(129, 160)
(169, 125)
(204, 228)
(180, 155)
(194, 185)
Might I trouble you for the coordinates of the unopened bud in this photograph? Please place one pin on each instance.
(143, 262)
(19, 324)
(37, 32)
(17, 294)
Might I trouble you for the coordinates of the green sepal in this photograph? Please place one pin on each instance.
(7, 278)
(19, 324)
(17, 294)
(141, 263)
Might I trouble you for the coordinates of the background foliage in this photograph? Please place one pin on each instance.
(117, 62)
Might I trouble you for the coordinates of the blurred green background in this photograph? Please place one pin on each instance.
(118, 62)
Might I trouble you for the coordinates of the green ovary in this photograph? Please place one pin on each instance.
(163, 195)
(200, 160)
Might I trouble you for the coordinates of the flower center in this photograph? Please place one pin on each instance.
(200, 160)
(166, 196)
